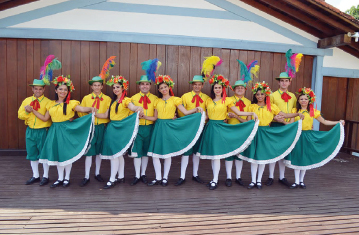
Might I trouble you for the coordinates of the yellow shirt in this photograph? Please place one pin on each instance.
(235, 99)
(265, 117)
(166, 109)
(307, 123)
(187, 101)
(88, 101)
(150, 106)
(285, 107)
(56, 110)
(122, 112)
(30, 119)
(217, 110)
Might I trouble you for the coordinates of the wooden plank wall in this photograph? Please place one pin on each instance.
(21, 59)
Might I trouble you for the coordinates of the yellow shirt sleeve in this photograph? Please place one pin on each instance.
(126, 101)
(275, 109)
(83, 104)
(177, 101)
(317, 113)
(21, 113)
(73, 103)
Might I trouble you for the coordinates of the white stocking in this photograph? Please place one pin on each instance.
(216, 167)
(114, 168)
(167, 167)
(98, 164)
(239, 166)
(260, 172)
(254, 168)
(229, 165)
(302, 174)
(144, 162)
(46, 170)
(296, 175)
(281, 169)
(121, 167)
(184, 164)
(157, 166)
(60, 172)
(271, 170)
(88, 163)
(35, 169)
(195, 160)
(137, 164)
(68, 171)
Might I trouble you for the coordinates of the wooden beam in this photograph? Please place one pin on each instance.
(339, 40)
(319, 15)
(298, 15)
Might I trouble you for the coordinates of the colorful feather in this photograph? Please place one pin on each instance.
(247, 71)
(208, 66)
(109, 64)
(293, 62)
(151, 67)
(46, 71)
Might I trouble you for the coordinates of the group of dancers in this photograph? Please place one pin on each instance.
(273, 127)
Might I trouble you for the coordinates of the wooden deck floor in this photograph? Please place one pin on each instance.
(329, 205)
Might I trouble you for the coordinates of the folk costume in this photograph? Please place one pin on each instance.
(66, 140)
(242, 104)
(285, 101)
(264, 147)
(182, 133)
(221, 140)
(37, 129)
(101, 102)
(146, 101)
(120, 132)
(191, 100)
(314, 148)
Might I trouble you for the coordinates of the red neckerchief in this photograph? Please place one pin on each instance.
(240, 104)
(198, 100)
(35, 104)
(145, 101)
(97, 101)
(286, 97)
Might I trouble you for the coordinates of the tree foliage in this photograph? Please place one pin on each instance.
(353, 11)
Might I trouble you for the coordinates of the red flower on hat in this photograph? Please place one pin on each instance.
(60, 79)
(220, 78)
(227, 83)
(311, 94)
(211, 81)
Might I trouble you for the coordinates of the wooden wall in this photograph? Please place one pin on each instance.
(21, 59)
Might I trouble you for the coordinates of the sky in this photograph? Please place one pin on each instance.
(343, 5)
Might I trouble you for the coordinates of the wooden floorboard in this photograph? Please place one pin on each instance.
(329, 205)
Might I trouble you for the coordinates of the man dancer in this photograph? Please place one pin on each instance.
(191, 100)
(36, 130)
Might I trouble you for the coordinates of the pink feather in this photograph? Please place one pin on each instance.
(48, 60)
(219, 62)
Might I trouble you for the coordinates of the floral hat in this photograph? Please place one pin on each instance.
(122, 81)
(221, 81)
(62, 80)
(266, 90)
(311, 96)
(166, 79)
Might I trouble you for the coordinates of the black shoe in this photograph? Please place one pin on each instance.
(57, 183)
(285, 182)
(135, 181)
(109, 185)
(239, 181)
(259, 185)
(84, 182)
(228, 182)
(154, 182)
(302, 185)
(66, 183)
(251, 185)
(269, 181)
(44, 181)
(213, 185)
(180, 182)
(99, 178)
(32, 180)
(197, 179)
(144, 179)
(120, 181)
(164, 182)
(293, 186)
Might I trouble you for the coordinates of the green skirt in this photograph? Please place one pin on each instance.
(272, 144)
(222, 140)
(315, 148)
(119, 136)
(66, 142)
(174, 137)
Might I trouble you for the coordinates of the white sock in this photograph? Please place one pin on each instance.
(296, 175)
(46, 170)
(281, 169)
(114, 168)
(271, 170)
(302, 174)
(260, 172)
(157, 166)
(144, 163)
(184, 164)
(98, 164)
(121, 167)
(254, 168)
(60, 172)
(137, 164)
(216, 167)
(68, 171)
(229, 165)
(167, 167)
(35, 169)
(88, 163)
(195, 160)
(239, 166)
